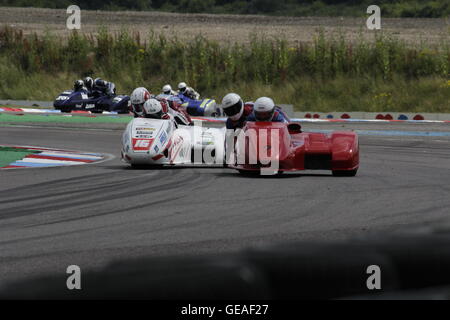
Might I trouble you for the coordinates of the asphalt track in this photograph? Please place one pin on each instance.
(89, 215)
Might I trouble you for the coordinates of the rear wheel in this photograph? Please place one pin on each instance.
(345, 173)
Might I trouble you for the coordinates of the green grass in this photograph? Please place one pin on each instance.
(428, 94)
(10, 155)
(330, 74)
(10, 118)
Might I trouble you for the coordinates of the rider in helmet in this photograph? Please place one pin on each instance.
(156, 109)
(188, 91)
(265, 109)
(141, 95)
(104, 87)
(89, 84)
(78, 85)
(138, 99)
(236, 111)
(167, 90)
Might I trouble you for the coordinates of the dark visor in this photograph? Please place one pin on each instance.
(157, 115)
(233, 110)
(138, 107)
(264, 116)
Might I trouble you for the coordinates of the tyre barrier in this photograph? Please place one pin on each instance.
(379, 116)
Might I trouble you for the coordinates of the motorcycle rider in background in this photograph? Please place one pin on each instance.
(167, 90)
(79, 86)
(169, 94)
(88, 84)
(104, 87)
(99, 87)
(188, 91)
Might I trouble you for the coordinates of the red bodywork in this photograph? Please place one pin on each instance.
(337, 151)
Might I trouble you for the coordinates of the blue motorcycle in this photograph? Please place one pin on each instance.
(200, 108)
(81, 101)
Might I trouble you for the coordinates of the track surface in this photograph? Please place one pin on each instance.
(89, 215)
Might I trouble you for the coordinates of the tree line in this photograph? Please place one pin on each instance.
(390, 8)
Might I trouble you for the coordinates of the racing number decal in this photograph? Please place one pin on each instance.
(142, 144)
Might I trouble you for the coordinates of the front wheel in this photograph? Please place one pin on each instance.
(345, 173)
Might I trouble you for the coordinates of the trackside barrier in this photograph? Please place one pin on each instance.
(298, 116)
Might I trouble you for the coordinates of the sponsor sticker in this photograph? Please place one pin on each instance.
(163, 137)
(145, 128)
(142, 144)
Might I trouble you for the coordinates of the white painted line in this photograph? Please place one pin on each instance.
(48, 161)
(71, 155)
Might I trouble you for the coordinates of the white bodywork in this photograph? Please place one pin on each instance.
(163, 142)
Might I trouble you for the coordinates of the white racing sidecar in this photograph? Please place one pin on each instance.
(157, 142)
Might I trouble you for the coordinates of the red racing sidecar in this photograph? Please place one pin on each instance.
(284, 147)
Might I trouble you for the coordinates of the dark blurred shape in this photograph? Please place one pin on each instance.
(169, 278)
(413, 265)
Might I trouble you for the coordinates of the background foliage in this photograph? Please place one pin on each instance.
(329, 74)
(390, 8)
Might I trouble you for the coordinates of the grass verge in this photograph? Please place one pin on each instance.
(9, 155)
(331, 74)
(11, 118)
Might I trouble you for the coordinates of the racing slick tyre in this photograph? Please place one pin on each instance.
(345, 173)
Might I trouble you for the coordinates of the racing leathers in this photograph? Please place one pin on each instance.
(103, 87)
(190, 93)
(180, 114)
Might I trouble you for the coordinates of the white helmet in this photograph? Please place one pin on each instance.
(167, 89)
(153, 109)
(233, 106)
(138, 98)
(182, 86)
(264, 109)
